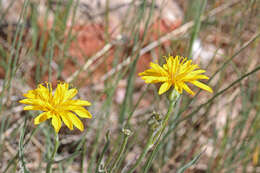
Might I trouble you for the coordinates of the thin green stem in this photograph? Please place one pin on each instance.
(21, 148)
(173, 98)
(48, 168)
(98, 166)
(127, 133)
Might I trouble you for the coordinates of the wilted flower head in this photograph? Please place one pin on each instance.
(58, 106)
(176, 72)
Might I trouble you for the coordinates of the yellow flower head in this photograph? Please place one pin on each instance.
(58, 106)
(176, 72)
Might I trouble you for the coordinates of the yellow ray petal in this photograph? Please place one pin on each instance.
(75, 121)
(153, 72)
(31, 94)
(194, 77)
(187, 89)
(198, 71)
(202, 86)
(82, 113)
(178, 88)
(70, 93)
(43, 93)
(158, 68)
(56, 123)
(26, 108)
(66, 120)
(41, 118)
(164, 87)
(58, 94)
(33, 102)
(27, 101)
(154, 79)
(78, 103)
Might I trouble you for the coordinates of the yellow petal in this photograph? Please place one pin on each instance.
(41, 118)
(31, 94)
(154, 79)
(56, 123)
(178, 88)
(64, 87)
(26, 108)
(198, 71)
(78, 103)
(202, 86)
(156, 71)
(158, 68)
(70, 93)
(194, 77)
(71, 108)
(164, 87)
(186, 88)
(29, 101)
(83, 113)
(66, 121)
(43, 93)
(25, 101)
(58, 94)
(75, 121)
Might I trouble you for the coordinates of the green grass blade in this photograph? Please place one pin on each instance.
(192, 162)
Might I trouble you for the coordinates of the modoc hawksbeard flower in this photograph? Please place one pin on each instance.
(58, 106)
(176, 72)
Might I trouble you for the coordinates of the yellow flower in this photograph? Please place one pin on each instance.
(58, 106)
(176, 72)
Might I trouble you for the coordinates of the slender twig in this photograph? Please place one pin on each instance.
(21, 148)
(56, 145)
(98, 166)
(127, 133)
(92, 59)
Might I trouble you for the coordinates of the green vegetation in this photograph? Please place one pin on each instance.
(209, 133)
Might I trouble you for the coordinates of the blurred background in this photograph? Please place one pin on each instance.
(99, 47)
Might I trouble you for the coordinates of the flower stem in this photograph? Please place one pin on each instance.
(48, 168)
(173, 98)
(127, 133)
